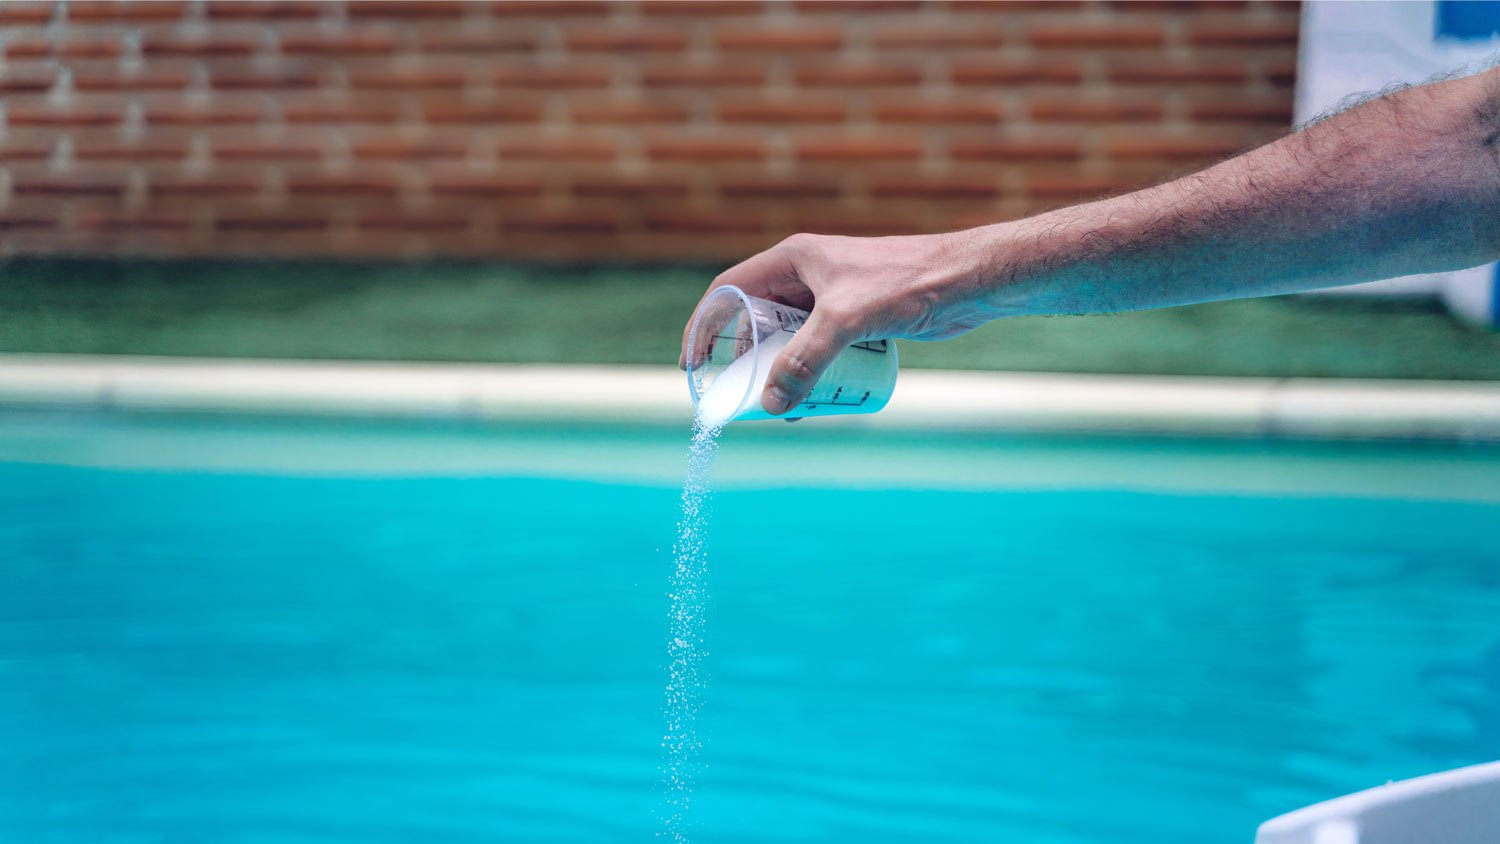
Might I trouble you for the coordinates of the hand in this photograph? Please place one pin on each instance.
(857, 288)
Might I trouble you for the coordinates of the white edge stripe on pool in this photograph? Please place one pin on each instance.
(924, 399)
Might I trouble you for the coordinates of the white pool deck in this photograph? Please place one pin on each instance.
(924, 399)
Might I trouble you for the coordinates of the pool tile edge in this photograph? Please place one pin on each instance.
(924, 400)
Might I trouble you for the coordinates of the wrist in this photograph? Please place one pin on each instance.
(993, 269)
(1053, 263)
(955, 288)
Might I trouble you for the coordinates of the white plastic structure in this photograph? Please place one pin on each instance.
(1349, 49)
(1461, 806)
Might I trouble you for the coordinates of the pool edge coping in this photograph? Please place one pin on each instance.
(947, 400)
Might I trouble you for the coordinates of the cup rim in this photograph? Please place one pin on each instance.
(749, 305)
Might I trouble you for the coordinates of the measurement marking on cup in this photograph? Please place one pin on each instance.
(834, 401)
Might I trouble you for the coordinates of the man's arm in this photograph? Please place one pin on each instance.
(1406, 183)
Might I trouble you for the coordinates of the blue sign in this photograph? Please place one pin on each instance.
(1467, 20)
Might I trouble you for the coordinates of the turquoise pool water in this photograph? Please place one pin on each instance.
(232, 630)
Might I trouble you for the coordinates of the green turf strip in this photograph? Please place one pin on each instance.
(529, 313)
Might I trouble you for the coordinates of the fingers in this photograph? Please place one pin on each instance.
(757, 275)
(802, 362)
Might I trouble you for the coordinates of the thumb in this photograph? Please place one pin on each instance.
(800, 364)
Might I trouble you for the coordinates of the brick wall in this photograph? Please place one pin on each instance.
(590, 130)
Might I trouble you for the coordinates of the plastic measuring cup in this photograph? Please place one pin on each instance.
(736, 337)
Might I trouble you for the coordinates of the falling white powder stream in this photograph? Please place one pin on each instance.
(740, 382)
(685, 632)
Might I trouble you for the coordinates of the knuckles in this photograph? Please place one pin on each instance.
(843, 320)
(802, 247)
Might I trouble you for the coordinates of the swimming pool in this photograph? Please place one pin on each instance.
(256, 630)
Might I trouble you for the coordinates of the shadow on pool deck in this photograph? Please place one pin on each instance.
(517, 313)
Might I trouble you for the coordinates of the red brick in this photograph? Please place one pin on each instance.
(932, 188)
(214, 44)
(551, 8)
(705, 224)
(1015, 150)
(661, 247)
(618, 187)
(992, 74)
(360, 110)
(275, 11)
(246, 75)
(80, 115)
(27, 149)
(484, 43)
(470, 184)
(564, 148)
(866, 225)
(443, 113)
(421, 133)
(858, 149)
(25, 14)
(1170, 73)
(1102, 37)
(780, 189)
(951, 37)
(1282, 75)
(1074, 186)
(626, 112)
(567, 225)
(626, 41)
(136, 11)
(399, 222)
(69, 46)
(352, 42)
(781, 40)
(1245, 34)
(239, 148)
(111, 149)
(379, 77)
(796, 111)
(1170, 148)
(682, 148)
(698, 8)
(992, 6)
(402, 148)
(357, 183)
(217, 113)
(20, 80)
(270, 222)
(69, 185)
(855, 76)
(98, 220)
(1277, 112)
(425, 9)
(715, 76)
(106, 76)
(569, 76)
(1155, 6)
(9, 221)
(215, 185)
(1058, 110)
(929, 112)
(845, 6)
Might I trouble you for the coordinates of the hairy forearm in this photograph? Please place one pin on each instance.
(1404, 184)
